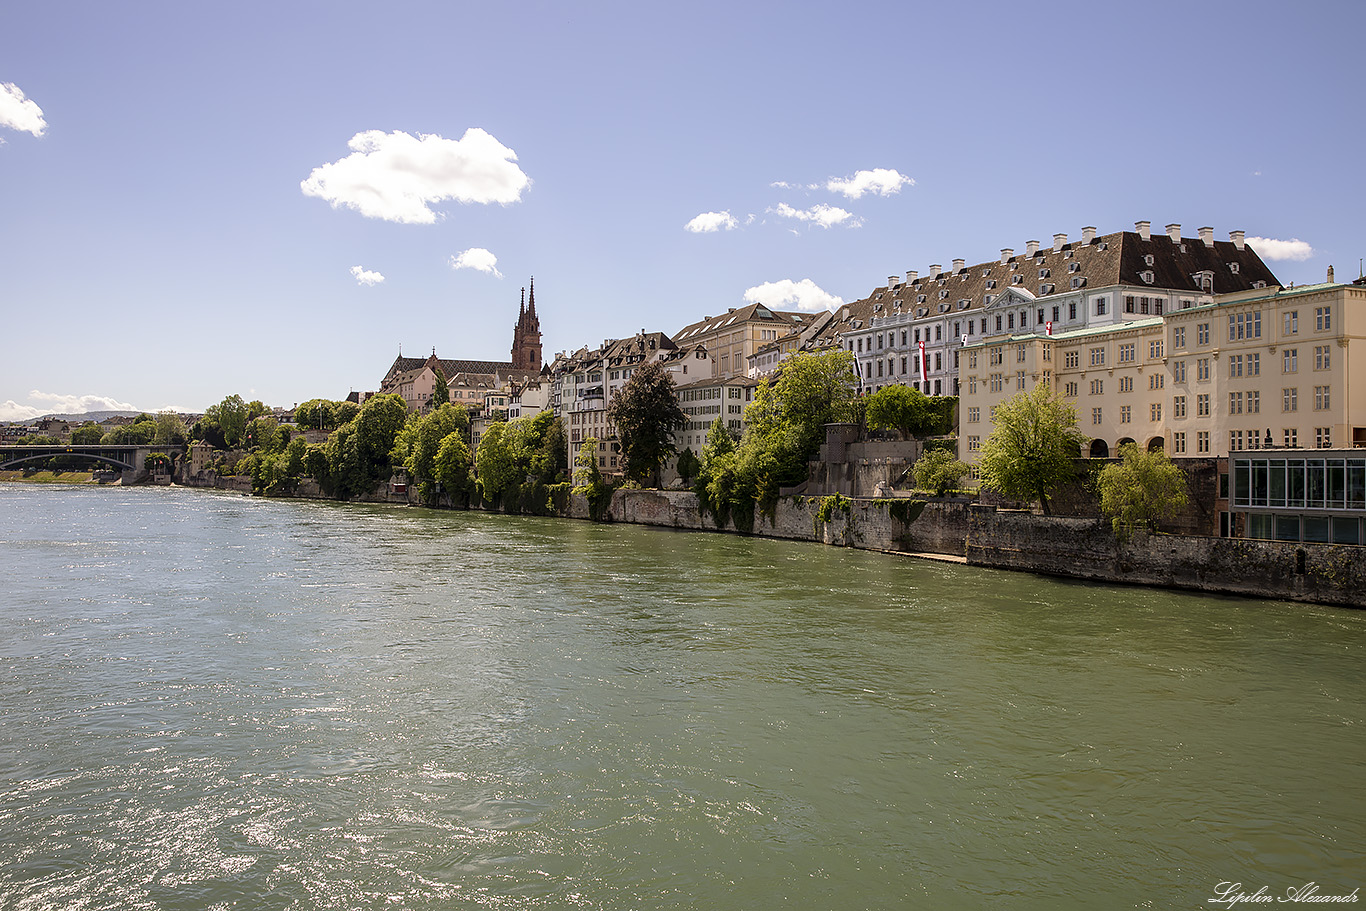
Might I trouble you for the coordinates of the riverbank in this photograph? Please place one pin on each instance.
(52, 477)
(978, 535)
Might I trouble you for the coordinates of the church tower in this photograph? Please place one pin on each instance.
(526, 338)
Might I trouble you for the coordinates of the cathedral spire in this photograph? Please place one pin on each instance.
(531, 308)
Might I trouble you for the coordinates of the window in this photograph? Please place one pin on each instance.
(972, 360)
(1155, 349)
(1125, 413)
(1178, 371)
(1202, 333)
(1019, 354)
(1323, 319)
(1291, 437)
(1323, 437)
(1155, 412)
(1254, 365)
(1179, 337)
(1019, 380)
(972, 385)
(1320, 398)
(1072, 310)
(1126, 384)
(1129, 304)
(1178, 406)
(1070, 390)
(1235, 366)
(1290, 400)
(1290, 359)
(1202, 441)
(974, 414)
(1290, 322)
(1127, 353)
(1244, 325)
(1202, 368)
(1100, 306)
(1235, 440)
(998, 322)
(1097, 387)
(995, 355)
(1156, 381)
(1071, 358)
(1179, 443)
(1097, 357)
(1095, 416)
(997, 382)
(1202, 405)
(1235, 403)
(1321, 357)
(974, 443)
(1254, 403)
(1047, 353)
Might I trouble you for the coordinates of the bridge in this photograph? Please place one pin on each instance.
(128, 457)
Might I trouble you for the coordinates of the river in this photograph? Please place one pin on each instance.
(212, 701)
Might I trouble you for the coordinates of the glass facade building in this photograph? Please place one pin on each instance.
(1300, 495)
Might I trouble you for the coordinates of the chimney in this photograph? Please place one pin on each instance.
(1006, 254)
(958, 264)
(892, 280)
(1088, 234)
(1330, 275)
(1059, 241)
(1031, 247)
(912, 276)
(934, 270)
(1174, 232)
(1237, 238)
(1144, 229)
(1207, 236)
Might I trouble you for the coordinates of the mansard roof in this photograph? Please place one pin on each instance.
(738, 316)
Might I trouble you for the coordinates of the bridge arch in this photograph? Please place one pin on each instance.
(44, 456)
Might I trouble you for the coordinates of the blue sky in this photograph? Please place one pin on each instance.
(198, 200)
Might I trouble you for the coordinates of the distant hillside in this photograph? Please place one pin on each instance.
(95, 416)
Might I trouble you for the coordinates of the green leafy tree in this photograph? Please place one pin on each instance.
(451, 467)
(1032, 448)
(264, 435)
(788, 416)
(900, 408)
(496, 462)
(358, 452)
(646, 414)
(939, 471)
(88, 434)
(427, 433)
(230, 416)
(345, 411)
(171, 430)
(139, 433)
(1140, 490)
(316, 414)
(588, 480)
(255, 409)
(688, 465)
(441, 394)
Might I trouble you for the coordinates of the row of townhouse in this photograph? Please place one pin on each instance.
(1260, 369)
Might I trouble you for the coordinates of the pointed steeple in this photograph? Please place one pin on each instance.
(531, 307)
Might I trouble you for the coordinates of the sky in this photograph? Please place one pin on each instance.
(273, 199)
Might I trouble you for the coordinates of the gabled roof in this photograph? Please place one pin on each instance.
(737, 316)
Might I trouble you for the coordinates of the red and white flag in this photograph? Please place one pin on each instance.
(924, 365)
(1049, 326)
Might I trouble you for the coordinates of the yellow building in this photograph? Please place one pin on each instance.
(1257, 369)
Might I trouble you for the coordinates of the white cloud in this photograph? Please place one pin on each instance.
(41, 403)
(882, 181)
(784, 185)
(18, 112)
(805, 295)
(1293, 249)
(712, 221)
(365, 277)
(396, 176)
(477, 258)
(822, 215)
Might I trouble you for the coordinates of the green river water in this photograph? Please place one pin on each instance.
(215, 702)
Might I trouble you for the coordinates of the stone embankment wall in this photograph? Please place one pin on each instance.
(1018, 540)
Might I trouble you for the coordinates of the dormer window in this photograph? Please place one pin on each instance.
(943, 293)
(944, 307)
(1074, 267)
(879, 295)
(1078, 282)
(963, 304)
(991, 283)
(1045, 289)
(1147, 276)
(1147, 259)
(920, 298)
(1043, 273)
(1017, 279)
(1233, 267)
(1067, 255)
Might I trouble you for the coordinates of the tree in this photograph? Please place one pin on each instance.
(451, 467)
(900, 408)
(1140, 489)
(316, 414)
(171, 430)
(230, 415)
(87, 434)
(426, 435)
(1032, 448)
(495, 462)
(688, 465)
(939, 471)
(358, 451)
(646, 413)
(263, 433)
(788, 416)
(441, 395)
